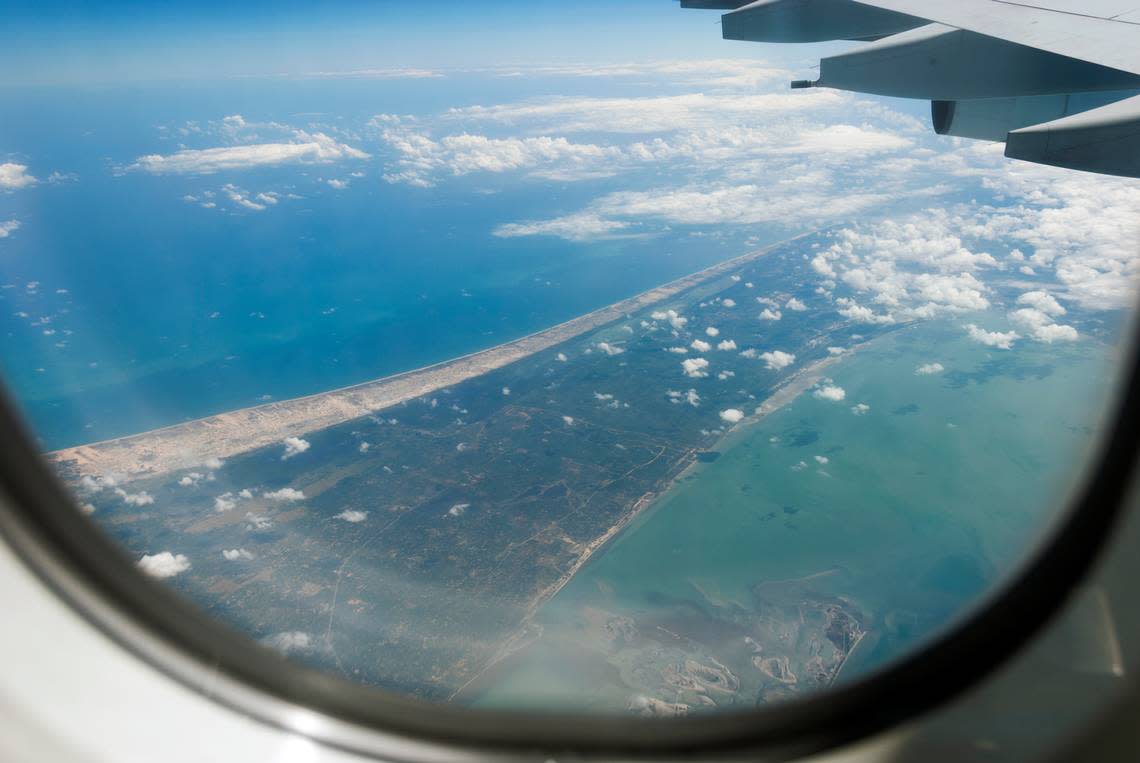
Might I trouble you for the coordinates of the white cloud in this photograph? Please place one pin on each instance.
(289, 641)
(561, 357)
(732, 415)
(1043, 301)
(506, 391)
(582, 226)
(285, 494)
(141, 498)
(568, 420)
(660, 114)
(822, 459)
(795, 305)
(1055, 332)
(294, 446)
(726, 344)
(14, 176)
(364, 447)
(1039, 323)
(314, 148)
(352, 515)
(336, 184)
(678, 350)
(420, 158)
(458, 509)
(700, 345)
(860, 409)
(927, 369)
(712, 331)
(768, 314)
(777, 360)
(8, 227)
(728, 302)
(224, 502)
(695, 367)
(830, 392)
(164, 564)
(998, 339)
(846, 139)
(236, 554)
(609, 349)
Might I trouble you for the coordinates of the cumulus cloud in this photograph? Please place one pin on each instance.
(285, 494)
(726, 344)
(352, 515)
(164, 564)
(712, 331)
(1002, 340)
(306, 148)
(8, 227)
(700, 345)
(860, 409)
(141, 498)
(1042, 301)
(289, 641)
(14, 176)
(294, 446)
(568, 420)
(237, 555)
(830, 392)
(768, 314)
(609, 349)
(675, 320)
(777, 360)
(795, 305)
(695, 367)
(458, 509)
(927, 369)
(732, 415)
(1039, 323)
(729, 302)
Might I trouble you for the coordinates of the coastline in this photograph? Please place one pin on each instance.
(524, 634)
(192, 443)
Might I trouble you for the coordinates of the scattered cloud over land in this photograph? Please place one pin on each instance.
(164, 564)
(294, 446)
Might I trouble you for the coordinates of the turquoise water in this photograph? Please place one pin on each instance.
(923, 504)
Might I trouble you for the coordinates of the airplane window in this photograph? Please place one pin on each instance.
(529, 359)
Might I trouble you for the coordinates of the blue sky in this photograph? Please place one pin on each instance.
(70, 42)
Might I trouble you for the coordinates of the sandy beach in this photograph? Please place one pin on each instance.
(221, 436)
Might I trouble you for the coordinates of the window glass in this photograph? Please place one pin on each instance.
(542, 358)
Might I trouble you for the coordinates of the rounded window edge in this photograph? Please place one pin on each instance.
(94, 576)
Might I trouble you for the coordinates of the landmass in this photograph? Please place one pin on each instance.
(404, 532)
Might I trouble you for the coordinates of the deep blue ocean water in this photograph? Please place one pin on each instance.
(319, 292)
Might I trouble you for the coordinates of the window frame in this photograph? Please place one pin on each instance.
(95, 576)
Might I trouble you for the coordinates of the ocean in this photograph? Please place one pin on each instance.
(910, 513)
(172, 312)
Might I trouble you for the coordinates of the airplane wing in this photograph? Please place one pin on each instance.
(1058, 81)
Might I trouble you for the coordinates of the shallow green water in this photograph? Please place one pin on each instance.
(923, 504)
